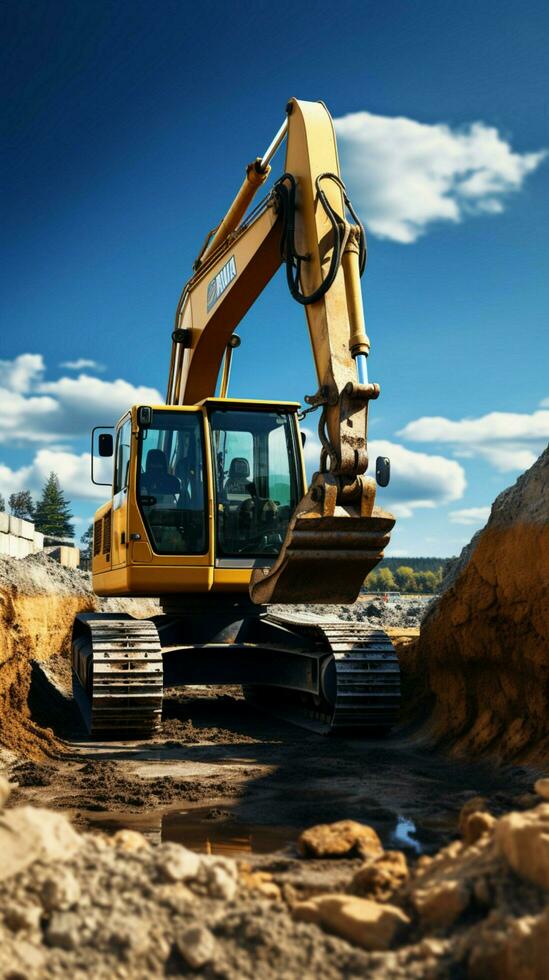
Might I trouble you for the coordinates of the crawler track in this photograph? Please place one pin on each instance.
(122, 688)
(361, 680)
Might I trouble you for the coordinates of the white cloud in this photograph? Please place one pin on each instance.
(83, 364)
(73, 470)
(473, 516)
(403, 175)
(544, 403)
(418, 480)
(35, 410)
(509, 441)
(21, 373)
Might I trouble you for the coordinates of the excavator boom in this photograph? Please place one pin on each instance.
(336, 535)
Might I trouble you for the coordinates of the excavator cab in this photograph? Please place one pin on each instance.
(206, 492)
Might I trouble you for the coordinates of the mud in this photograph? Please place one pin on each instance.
(257, 774)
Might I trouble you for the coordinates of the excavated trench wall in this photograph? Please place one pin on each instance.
(477, 679)
(38, 602)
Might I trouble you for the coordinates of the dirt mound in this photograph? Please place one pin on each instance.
(480, 668)
(80, 904)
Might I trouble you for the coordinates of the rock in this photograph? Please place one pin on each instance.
(220, 877)
(476, 825)
(5, 790)
(60, 892)
(176, 863)
(22, 917)
(130, 933)
(197, 946)
(541, 787)
(475, 805)
(373, 612)
(382, 876)
(515, 949)
(523, 840)
(129, 841)
(29, 834)
(64, 930)
(359, 920)
(344, 838)
(260, 881)
(440, 903)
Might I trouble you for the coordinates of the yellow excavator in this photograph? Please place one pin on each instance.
(210, 510)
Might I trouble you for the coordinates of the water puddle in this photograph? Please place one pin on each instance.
(402, 835)
(208, 830)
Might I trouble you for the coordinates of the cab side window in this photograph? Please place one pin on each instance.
(122, 465)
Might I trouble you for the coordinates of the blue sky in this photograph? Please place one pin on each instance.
(127, 128)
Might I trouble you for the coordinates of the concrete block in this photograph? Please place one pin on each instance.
(15, 526)
(69, 557)
(38, 540)
(4, 544)
(27, 530)
(4, 522)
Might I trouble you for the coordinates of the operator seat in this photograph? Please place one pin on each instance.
(237, 481)
(156, 479)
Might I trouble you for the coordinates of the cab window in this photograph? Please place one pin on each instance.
(257, 481)
(122, 457)
(171, 492)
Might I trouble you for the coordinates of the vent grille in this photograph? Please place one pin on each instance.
(107, 533)
(97, 528)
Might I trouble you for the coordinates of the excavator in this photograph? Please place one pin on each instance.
(210, 511)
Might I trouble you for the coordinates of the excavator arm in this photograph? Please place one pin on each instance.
(303, 222)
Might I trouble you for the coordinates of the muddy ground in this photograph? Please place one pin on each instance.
(223, 777)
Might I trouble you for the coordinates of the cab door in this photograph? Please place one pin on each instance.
(120, 492)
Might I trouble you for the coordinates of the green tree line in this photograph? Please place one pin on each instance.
(404, 579)
(51, 514)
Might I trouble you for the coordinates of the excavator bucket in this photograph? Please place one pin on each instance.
(327, 553)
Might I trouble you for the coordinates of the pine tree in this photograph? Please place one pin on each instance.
(87, 541)
(21, 505)
(2, 504)
(53, 514)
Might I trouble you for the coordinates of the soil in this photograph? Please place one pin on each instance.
(476, 679)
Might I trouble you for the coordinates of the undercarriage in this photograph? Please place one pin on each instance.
(326, 674)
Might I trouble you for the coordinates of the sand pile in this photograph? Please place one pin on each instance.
(479, 672)
(86, 905)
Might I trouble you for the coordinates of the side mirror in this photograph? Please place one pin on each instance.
(144, 416)
(105, 444)
(383, 471)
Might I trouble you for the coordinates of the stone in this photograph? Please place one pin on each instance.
(5, 790)
(176, 863)
(440, 903)
(358, 920)
(60, 893)
(197, 946)
(382, 876)
(541, 787)
(523, 840)
(24, 918)
(129, 841)
(474, 805)
(260, 881)
(476, 825)
(345, 838)
(64, 930)
(29, 834)
(220, 878)
(518, 950)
